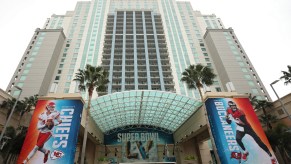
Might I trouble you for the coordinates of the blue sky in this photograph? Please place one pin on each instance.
(262, 27)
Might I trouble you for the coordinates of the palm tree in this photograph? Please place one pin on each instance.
(15, 145)
(10, 133)
(253, 100)
(8, 105)
(287, 75)
(262, 105)
(91, 78)
(197, 75)
(279, 137)
(268, 119)
(29, 105)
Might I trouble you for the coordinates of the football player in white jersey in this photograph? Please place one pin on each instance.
(46, 122)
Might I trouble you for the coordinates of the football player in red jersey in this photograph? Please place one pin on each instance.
(45, 125)
(242, 128)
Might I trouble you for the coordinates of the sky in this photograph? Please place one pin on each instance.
(263, 27)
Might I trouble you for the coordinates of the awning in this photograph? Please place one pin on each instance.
(142, 107)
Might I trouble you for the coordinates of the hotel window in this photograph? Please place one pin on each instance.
(16, 93)
(244, 70)
(57, 78)
(233, 47)
(247, 76)
(67, 84)
(66, 90)
(241, 64)
(251, 83)
(31, 59)
(25, 71)
(22, 78)
(238, 58)
(69, 77)
(71, 71)
(218, 89)
(215, 83)
(280, 111)
(255, 91)
(20, 85)
(54, 87)
(35, 48)
(28, 65)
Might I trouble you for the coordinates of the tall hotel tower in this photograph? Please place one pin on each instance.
(144, 44)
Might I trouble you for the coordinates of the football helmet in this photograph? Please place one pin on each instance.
(231, 103)
(51, 106)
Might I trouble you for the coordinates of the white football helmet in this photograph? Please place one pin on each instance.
(51, 106)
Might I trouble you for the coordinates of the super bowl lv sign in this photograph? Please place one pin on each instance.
(53, 131)
(237, 132)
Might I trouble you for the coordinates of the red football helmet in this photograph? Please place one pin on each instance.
(51, 106)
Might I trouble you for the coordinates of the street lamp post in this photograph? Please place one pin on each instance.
(10, 115)
(274, 82)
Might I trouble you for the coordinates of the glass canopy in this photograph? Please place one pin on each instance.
(166, 110)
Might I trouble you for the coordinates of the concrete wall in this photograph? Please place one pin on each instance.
(93, 129)
(193, 124)
(40, 66)
(190, 139)
(205, 152)
(232, 63)
(90, 152)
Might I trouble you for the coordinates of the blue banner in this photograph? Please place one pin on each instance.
(237, 133)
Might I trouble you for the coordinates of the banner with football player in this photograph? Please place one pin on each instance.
(53, 132)
(237, 132)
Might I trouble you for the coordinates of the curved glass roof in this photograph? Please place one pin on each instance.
(166, 110)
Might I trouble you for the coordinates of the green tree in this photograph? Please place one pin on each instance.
(253, 100)
(267, 119)
(263, 105)
(90, 78)
(287, 75)
(279, 137)
(197, 75)
(14, 146)
(10, 134)
(8, 105)
(29, 104)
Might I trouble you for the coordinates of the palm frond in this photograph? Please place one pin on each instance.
(287, 75)
(196, 75)
(91, 77)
